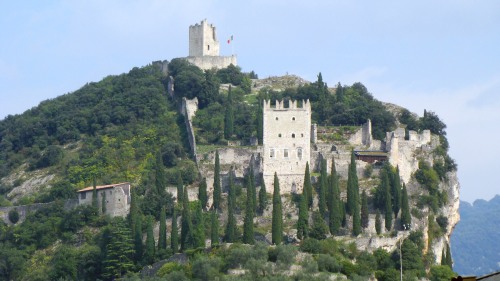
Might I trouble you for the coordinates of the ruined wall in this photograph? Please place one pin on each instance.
(287, 144)
(209, 62)
(188, 110)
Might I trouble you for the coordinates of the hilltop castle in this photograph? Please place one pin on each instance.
(204, 48)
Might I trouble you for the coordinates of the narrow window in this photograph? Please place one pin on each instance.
(279, 135)
(293, 118)
(271, 153)
(301, 135)
(299, 153)
(208, 47)
(276, 118)
(83, 195)
(285, 153)
(293, 136)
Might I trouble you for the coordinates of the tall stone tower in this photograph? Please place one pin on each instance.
(203, 40)
(204, 47)
(287, 144)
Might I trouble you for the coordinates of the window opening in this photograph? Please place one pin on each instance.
(293, 135)
(271, 153)
(279, 135)
(276, 118)
(83, 195)
(299, 153)
(293, 118)
(285, 153)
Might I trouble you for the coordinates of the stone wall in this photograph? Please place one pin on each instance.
(24, 210)
(117, 199)
(203, 40)
(209, 62)
(188, 110)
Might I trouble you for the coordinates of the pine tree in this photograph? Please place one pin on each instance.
(118, 253)
(335, 218)
(229, 116)
(262, 196)
(396, 193)
(352, 186)
(388, 209)
(149, 253)
(174, 237)
(231, 204)
(217, 186)
(323, 183)
(214, 228)
(186, 224)
(378, 223)
(308, 186)
(248, 234)
(405, 208)
(302, 222)
(364, 210)
(138, 246)
(180, 187)
(162, 240)
(277, 221)
(202, 193)
(198, 227)
(103, 203)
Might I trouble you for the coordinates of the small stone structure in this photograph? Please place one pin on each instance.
(204, 47)
(188, 110)
(287, 143)
(117, 198)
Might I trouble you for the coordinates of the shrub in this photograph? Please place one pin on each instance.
(310, 245)
(14, 216)
(442, 221)
(328, 263)
(168, 268)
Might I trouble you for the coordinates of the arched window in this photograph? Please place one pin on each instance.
(293, 118)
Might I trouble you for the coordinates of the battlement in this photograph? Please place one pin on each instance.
(292, 105)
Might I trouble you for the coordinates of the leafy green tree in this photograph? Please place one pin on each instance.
(248, 233)
(441, 273)
(149, 253)
(217, 187)
(378, 223)
(308, 186)
(396, 193)
(319, 228)
(11, 261)
(210, 89)
(364, 210)
(405, 208)
(180, 187)
(162, 240)
(231, 234)
(262, 196)
(352, 187)
(199, 227)
(202, 193)
(186, 224)
(277, 219)
(13, 216)
(118, 252)
(432, 122)
(323, 185)
(229, 116)
(174, 237)
(302, 222)
(214, 228)
(63, 264)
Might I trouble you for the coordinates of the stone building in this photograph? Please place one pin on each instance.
(204, 47)
(286, 144)
(117, 198)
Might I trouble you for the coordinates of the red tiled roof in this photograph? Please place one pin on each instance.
(90, 188)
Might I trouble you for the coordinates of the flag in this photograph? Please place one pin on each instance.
(230, 39)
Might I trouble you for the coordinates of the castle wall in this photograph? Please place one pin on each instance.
(203, 40)
(188, 110)
(209, 62)
(287, 144)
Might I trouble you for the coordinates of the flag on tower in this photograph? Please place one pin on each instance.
(230, 39)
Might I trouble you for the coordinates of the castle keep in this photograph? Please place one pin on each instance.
(287, 143)
(204, 47)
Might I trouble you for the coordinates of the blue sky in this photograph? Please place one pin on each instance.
(443, 56)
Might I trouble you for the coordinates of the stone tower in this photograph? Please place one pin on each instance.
(203, 40)
(204, 48)
(287, 144)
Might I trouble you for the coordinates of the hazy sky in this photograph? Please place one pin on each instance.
(443, 56)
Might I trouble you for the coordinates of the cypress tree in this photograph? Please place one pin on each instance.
(248, 234)
(344, 214)
(231, 204)
(364, 210)
(162, 240)
(260, 122)
(160, 178)
(319, 228)
(149, 254)
(186, 224)
(229, 116)
(174, 237)
(443, 257)
(335, 218)
(214, 228)
(396, 193)
(253, 192)
(277, 221)
(449, 261)
(103, 203)
(378, 223)
(202, 193)
(134, 210)
(352, 187)
(356, 220)
(302, 222)
(180, 187)
(262, 196)
(308, 186)
(217, 186)
(95, 203)
(198, 227)
(323, 182)
(405, 208)
(388, 208)
(138, 246)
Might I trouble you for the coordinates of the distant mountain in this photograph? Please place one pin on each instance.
(475, 242)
